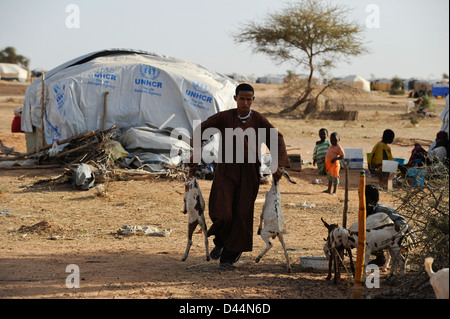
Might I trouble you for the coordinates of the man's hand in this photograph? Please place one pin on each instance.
(277, 175)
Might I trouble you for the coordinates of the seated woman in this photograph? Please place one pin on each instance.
(381, 151)
(440, 149)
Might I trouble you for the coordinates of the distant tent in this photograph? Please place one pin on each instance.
(243, 78)
(13, 72)
(271, 78)
(440, 89)
(382, 84)
(356, 82)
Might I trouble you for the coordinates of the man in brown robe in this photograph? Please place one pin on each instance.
(236, 178)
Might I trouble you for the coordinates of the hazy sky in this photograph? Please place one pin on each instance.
(410, 38)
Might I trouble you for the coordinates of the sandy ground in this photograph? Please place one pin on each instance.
(80, 228)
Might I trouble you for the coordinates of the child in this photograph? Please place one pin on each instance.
(15, 125)
(320, 151)
(335, 154)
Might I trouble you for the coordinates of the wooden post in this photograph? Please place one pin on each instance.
(344, 217)
(105, 109)
(361, 236)
(44, 142)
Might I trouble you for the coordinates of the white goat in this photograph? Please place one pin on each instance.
(194, 205)
(273, 218)
(381, 233)
(438, 280)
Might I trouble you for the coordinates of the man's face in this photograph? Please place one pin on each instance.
(244, 101)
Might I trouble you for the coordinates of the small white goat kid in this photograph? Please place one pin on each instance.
(194, 206)
(273, 218)
(438, 280)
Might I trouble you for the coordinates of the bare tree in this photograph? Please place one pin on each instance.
(310, 34)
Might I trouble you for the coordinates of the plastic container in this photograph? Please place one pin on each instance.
(389, 166)
(316, 263)
(418, 176)
(400, 160)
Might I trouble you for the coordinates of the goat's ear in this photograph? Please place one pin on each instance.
(325, 223)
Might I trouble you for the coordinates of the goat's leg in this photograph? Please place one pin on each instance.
(205, 233)
(280, 237)
(337, 266)
(349, 252)
(260, 224)
(191, 228)
(330, 263)
(266, 237)
(388, 261)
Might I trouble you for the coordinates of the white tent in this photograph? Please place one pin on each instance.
(144, 90)
(10, 71)
(357, 82)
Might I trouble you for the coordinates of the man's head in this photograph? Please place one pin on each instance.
(244, 98)
(388, 136)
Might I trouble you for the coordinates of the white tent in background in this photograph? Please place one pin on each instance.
(271, 79)
(356, 82)
(13, 72)
(147, 95)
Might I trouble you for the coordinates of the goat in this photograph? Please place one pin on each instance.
(194, 204)
(438, 280)
(337, 241)
(6, 150)
(273, 218)
(381, 233)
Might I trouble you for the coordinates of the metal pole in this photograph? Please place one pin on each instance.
(361, 236)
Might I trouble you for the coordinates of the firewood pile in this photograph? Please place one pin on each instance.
(96, 148)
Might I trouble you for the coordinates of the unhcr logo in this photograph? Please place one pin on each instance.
(199, 95)
(103, 74)
(60, 94)
(149, 72)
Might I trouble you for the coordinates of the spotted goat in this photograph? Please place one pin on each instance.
(273, 219)
(194, 206)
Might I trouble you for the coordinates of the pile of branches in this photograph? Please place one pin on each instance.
(426, 207)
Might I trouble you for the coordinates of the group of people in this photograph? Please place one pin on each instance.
(327, 156)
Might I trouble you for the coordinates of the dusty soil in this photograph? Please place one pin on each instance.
(45, 228)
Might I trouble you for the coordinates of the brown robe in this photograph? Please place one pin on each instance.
(235, 185)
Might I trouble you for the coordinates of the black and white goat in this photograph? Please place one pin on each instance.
(336, 242)
(194, 206)
(273, 219)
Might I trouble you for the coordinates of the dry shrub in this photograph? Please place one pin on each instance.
(426, 208)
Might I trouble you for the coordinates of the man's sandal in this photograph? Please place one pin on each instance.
(216, 253)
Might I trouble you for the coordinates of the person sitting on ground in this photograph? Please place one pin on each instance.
(320, 151)
(381, 151)
(440, 150)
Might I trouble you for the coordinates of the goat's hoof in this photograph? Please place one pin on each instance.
(257, 260)
(183, 259)
(328, 278)
(207, 258)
